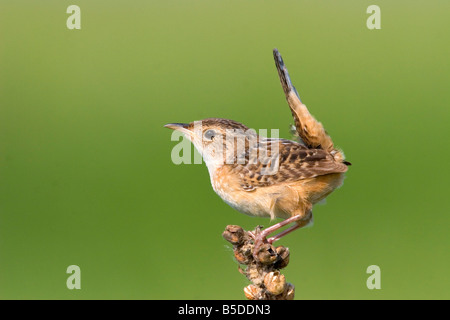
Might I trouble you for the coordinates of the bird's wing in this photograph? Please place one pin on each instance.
(308, 128)
(291, 162)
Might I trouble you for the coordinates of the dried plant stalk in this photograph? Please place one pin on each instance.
(263, 271)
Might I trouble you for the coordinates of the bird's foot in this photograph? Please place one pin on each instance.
(263, 251)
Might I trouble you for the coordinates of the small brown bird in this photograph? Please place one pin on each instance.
(265, 176)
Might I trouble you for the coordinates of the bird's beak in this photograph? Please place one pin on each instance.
(176, 126)
(182, 127)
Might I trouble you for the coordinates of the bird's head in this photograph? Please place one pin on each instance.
(216, 139)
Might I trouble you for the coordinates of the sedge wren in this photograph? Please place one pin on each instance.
(270, 177)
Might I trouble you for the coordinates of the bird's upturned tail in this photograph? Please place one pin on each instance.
(308, 128)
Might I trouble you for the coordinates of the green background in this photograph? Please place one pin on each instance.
(86, 176)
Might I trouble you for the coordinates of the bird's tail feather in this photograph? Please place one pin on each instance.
(308, 128)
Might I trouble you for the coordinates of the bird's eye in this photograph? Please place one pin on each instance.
(209, 135)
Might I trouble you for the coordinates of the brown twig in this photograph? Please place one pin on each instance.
(264, 272)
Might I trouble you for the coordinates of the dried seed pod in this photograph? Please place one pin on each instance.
(283, 257)
(289, 292)
(241, 257)
(275, 283)
(234, 234)
(251, 292)
(267, 254)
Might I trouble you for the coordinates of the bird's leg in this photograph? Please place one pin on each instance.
(260, 238)
(283, 233)
(254, 233)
